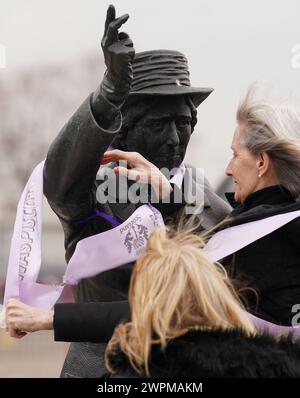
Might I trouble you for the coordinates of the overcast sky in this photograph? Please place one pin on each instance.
(229, 44)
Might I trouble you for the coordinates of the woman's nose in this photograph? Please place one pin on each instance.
(228, 171)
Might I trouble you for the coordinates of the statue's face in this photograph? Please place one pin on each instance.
(163, 133)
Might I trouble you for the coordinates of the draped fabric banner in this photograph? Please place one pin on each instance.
(25, 252)
(94, 254)
(267, 327)
(232, 239)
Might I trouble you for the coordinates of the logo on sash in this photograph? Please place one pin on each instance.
(136, 238)
(135, 233)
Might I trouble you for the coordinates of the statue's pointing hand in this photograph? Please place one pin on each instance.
(118, 54)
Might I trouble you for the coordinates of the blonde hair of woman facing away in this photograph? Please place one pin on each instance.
(175, 289)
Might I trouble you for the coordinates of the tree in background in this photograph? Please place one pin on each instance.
(34, 104)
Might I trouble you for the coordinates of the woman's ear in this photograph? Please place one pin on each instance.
(263, 163)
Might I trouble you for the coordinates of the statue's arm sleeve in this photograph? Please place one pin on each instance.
(74, 158)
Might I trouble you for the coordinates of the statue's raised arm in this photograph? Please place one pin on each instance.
(73, 158)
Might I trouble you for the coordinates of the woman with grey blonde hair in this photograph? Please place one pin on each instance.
(265, 167)
(271, 132)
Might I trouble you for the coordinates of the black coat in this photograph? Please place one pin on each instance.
(88, 322)
(218, 354)
(271, 264)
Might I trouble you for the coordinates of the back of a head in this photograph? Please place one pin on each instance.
(275, 129)
(174, 289)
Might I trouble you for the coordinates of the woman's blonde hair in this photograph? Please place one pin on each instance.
(174, 288)
(274, 129)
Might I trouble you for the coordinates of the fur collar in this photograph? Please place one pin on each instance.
(219, 354)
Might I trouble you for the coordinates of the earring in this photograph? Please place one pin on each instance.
(259, 175)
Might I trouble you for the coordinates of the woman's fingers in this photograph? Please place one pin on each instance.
(21, 318)
(13, 310)
(114, 156)
(16, 333)
(139, 169)
(132, 174)
(121, 171)
(133, 158)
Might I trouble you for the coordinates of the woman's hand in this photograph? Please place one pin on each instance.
(22, 318)
(140, 170)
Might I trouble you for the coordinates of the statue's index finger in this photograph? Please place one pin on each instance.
(120, 21)
(110, 16)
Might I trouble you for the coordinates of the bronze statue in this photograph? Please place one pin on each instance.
(145, 103)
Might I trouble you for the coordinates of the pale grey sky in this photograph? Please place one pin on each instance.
(229, 44)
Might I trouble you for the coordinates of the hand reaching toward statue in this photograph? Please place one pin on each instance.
(140, 170)
(22, 318)
(118, 53)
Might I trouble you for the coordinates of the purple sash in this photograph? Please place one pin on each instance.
(271, 328)
(232, 239)
(25, 251)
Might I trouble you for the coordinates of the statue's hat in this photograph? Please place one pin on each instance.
(164, 73)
